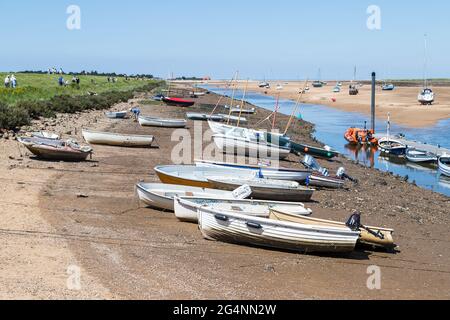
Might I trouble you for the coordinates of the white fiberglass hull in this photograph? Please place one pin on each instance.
(115, 139)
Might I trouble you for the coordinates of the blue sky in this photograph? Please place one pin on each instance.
(285, 39)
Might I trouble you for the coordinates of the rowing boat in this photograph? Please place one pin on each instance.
(419, 156)
(117, 139)
(161, 196)
(56, 150)
(264, 189)
(159, 122)
(261, 171)
(116, 115)
(203, 117)
(444, 165)
(195, 176)
(45, 135)
(233, 119)
(242, 228)
(372, 236)
(186, 207)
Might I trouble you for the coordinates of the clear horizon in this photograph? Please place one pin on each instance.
(282, 41)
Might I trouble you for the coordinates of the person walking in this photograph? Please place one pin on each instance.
(13, 81)
(7, 81)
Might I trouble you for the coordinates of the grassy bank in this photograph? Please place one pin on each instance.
(41, 96)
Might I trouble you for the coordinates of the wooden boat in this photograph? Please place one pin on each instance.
(444, 165)
(177, 102)
(203, 117)
(360, 136)
(159, 122)
(45, 135)
(233, 119)
(186, 207)
(246, 229)
(392, 146)
(420, 156)
(276, 190)
(239, 142)
(371, 236)
(426, 96)
(56, 150)
(161, 196)
(117, 139)
(264, 172)
(299, 148)
(195, 176)
(116, 115)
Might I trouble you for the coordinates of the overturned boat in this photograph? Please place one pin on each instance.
(160, 122)
(56, 150)
(117, 139)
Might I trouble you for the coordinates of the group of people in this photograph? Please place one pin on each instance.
(10, 81)
(63, 83)
(54, 71)
(112, 79)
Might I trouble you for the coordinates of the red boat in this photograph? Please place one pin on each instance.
(177, 102)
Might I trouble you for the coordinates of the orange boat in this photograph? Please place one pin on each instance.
(360, 136)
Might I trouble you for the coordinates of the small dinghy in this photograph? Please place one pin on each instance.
(159, 122)
(264, 189)
(388, 87)
(204, 117)
(197, 176)
(233, 119)
(229, 144)
(161, 196)
(56, 150)
(186, 207)
(116, 115)
(444, 165)
(426, 96)
(242, 228)
(419, 156)
(261, 171)
(177, 102)
(239, 110)
(117, 139)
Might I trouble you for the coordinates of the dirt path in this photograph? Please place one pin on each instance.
(87, 215)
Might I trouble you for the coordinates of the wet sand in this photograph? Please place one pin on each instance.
(86, 214)
(401, 103)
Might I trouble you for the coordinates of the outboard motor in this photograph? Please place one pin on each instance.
(354, 222)
(343, 175)
(312, 164)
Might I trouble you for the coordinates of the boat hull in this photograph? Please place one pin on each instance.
(178, 102)
(444, 165)
(116, 115)
(203, 117)
(49, 153)
(163, 123)
(117, 140)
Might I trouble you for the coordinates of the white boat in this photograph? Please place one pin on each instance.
(249, 143)
(239, 110)
(276, 190)
(117, 139)
(419, 156)
(242, 228)
(233, 119)
(203, 116)
(116, 115)
(426, 96)
(161, 196)
(444, 165)
(186, 207)
(264, 84)
(196, 176)
(159, 122)
(261, 171)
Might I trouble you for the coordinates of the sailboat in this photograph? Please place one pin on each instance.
(391, 146)
(426, 96)
(318, 83)
(353, 88)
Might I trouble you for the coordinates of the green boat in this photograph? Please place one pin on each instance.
(297, 148)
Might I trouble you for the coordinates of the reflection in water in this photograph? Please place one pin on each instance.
(364, 154)
(331, 125)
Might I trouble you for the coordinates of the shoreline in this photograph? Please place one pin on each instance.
(401, 104)
(150, 255)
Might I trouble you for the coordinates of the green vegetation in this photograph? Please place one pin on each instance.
(39, 95)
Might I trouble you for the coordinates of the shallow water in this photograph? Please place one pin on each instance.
(332, 123)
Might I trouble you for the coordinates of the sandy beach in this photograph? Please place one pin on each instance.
(401, 103)
(56, 215)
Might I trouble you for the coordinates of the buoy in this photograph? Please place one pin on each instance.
(333, 99)
(306, 149)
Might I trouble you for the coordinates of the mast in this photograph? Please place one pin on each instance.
(425, 79)
(242, 103)
(232, 97)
